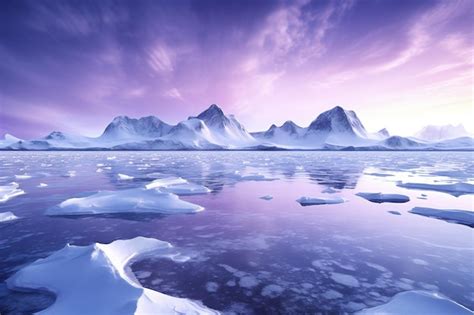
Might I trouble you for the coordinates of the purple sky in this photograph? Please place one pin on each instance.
(74, 65)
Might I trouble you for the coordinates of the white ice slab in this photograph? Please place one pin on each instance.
(379, 197)
(7, 216)
(97, 279)
(464, 217)
(10, 191)
(136, 200)
(456, 189)
(177, 185)
(310, 201)
(418, 302)
(124, 177)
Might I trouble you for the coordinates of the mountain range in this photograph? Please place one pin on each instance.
(335, 129)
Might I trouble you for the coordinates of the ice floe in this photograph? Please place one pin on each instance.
(177, 185)
(7, 216)
(345, 279)
(23, 176)
(394, 212)
(456, 189)
(310, 201)
(135, 200)
(42, 185)
(10, 191)
(97, 279)
(379, 197)
(267, 197)
(272, 290)
(464, 217)
(124, 177)
(418, 302)
(251, 177)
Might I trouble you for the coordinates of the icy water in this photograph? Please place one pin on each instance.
(249, 255)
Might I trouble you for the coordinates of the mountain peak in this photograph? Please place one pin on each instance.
(338, 120)
(212, 111)
(56, 135)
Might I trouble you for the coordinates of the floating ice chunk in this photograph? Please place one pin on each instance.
(124, 177)
(7, 216)
(177, 185)
(379, 197)
(248, 282)
(309, 201)
(456, 189)
(99, 170)
(42, 185)
(110, 158)
(332, 294)
(23, 176)
(267, 197)
(136, 200)
(10, 191)
(212, 287)
(103, 282)
(329, 190)
(344, 279)
(394, 212)
(418, 302)
(70, 174)
(420, 262)
(272, 291)
(464, 217)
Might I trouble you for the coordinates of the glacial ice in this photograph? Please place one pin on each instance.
(124, 177)
(310, 201)
(379, 197)
(10, 191)
(463, 217)
(7, 216)
(135, 200)
(456, 189)
(418, 302)
(97, 279)
(177, 185)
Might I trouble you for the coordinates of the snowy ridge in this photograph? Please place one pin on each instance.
(334, 129)
(101, 276)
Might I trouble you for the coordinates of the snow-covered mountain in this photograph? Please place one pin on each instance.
(439, 133)
(335, 129)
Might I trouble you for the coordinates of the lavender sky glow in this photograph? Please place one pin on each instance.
(73, 66)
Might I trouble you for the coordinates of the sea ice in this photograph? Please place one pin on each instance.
(379, 197)
(97, 279)
(420, 262)
(41, 185)
(309, 201)
(344, 279)
(212, 287)
(248, 282)
(135, 200)
(418, 302)
(272, 291)
(332, 294)
(456, 189)
(23, 176)
(124, 177)
(177, 185)
(464, 217)
(7, 216)
(10, 191)
(267, 197)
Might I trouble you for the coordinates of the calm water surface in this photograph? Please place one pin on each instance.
(251, 255)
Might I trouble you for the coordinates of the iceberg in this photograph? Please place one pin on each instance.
(310, 201)
(10, 191)
(7, 216)
(418, 302)
(97, 279)
(379, 197)
(124, 177)
(463, 217)
(135, 200)
(177, 185)
(456, 189)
